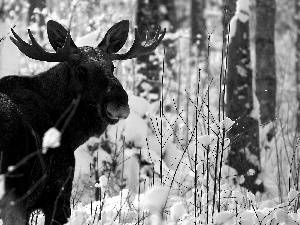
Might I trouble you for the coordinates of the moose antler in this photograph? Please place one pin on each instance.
(138, 49)
(35, 51)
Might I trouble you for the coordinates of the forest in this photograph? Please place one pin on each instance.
(214, 126)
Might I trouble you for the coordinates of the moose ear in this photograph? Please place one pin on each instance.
(57, 35)
(115, 37)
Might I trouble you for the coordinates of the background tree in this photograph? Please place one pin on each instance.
(148, 18)
(244, 154)
(295, 168)
(199, 58)
(168, 19)
(297, 67)
(37, 17)
(265, 61)
(199, 32)
(228, 8)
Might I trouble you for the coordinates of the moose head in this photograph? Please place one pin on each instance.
(91, 69)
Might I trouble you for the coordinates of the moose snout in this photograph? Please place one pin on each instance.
(116, 102)
(114, 111)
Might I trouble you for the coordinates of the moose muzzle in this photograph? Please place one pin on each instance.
(116, 102)
(116, 112)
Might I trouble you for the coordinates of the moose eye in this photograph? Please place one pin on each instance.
(81, 71)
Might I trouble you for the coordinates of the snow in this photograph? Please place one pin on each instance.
(226, 124)
(83, 161)
(232, 27)
(177, 210)
(242, 9)
(91, 39)
(293, 194)
(241, 14)
(255, 113)
(243, 5)
(225, 217)
(135, 130)
(103, 180)
(156, 198)
(128, 165)
(172, 157)
(138, 105)
(2, 186)
(9, 53)
(51, 139)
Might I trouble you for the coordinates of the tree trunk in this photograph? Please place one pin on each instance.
(199, 55)
(198, 29)
(149, 66)
(244, 154)
(39, 17)
(297, 68)
(228, 12)
(168, 18)
(295, 167)
(265, 61)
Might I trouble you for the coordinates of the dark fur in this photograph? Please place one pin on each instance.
(29, 106)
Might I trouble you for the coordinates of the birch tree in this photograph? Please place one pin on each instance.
(244, 154)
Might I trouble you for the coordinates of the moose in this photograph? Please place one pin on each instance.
(31, 105)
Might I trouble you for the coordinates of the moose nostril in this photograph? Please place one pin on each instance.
(115, 112)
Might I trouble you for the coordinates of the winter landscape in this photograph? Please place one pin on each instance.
(213, 131)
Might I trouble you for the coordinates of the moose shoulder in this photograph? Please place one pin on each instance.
(30, 105)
